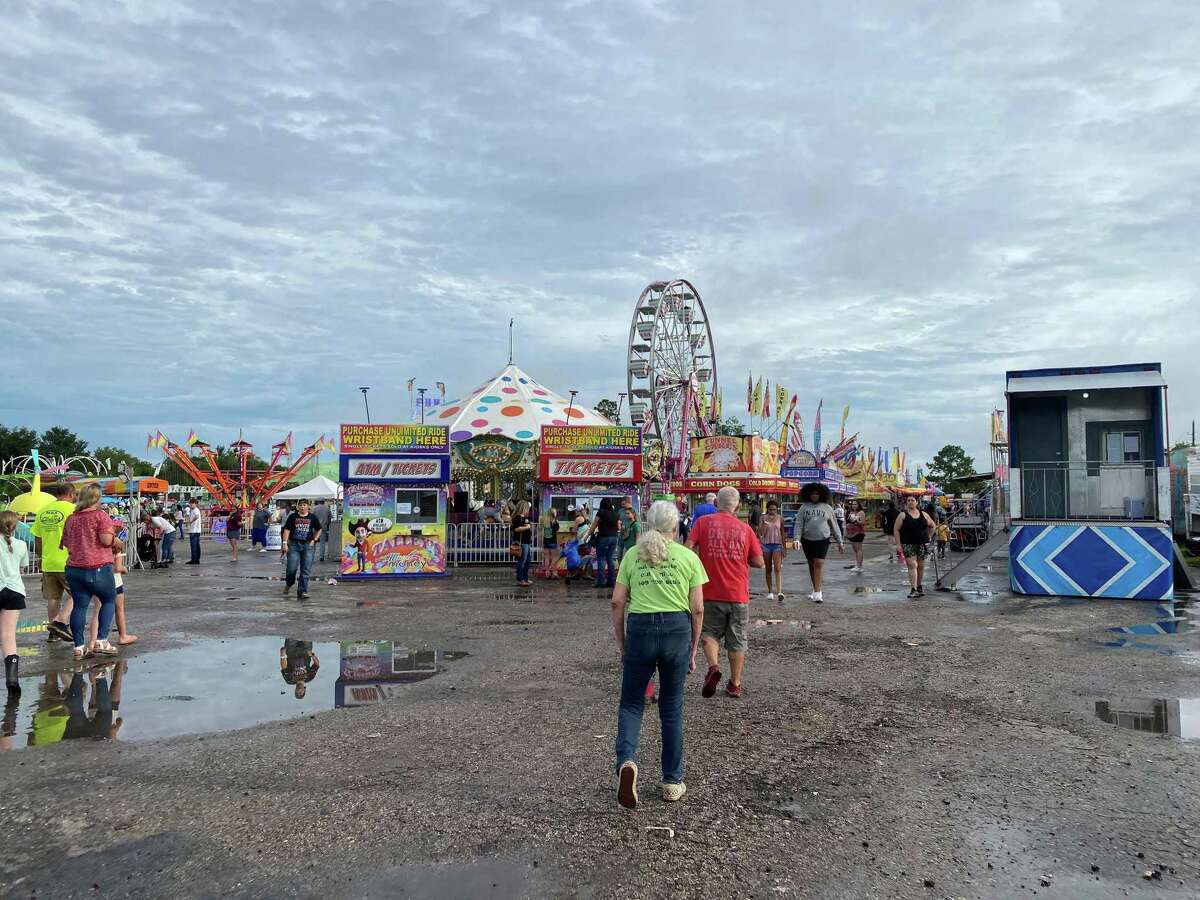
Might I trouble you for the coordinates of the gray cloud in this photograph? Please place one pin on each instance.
(229, 214)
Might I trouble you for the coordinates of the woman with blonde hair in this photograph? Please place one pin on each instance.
(661, 584)
(88, 536)
(522, 536)
(14, 556)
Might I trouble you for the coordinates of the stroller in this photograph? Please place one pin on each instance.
(147, 551)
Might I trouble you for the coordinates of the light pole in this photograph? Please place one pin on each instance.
(365, 403)
(571, 406)
(421, 400)
(620, 406)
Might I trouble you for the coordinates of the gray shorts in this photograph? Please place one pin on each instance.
(727, 622)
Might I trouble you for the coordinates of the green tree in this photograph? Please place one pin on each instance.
(118, 459)
(16, 441)
(61, 442)
(608, 409)
(730, 425)
(951, 464)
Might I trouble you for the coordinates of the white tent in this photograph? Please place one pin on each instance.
(320, 488)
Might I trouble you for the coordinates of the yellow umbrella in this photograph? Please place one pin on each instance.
(32, 502)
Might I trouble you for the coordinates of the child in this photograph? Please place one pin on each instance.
(943, 538)
(14, 556)
(120, 569)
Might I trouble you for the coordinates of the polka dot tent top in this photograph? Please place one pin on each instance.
(513, 405)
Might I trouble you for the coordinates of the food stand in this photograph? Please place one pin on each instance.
(749, 463)
(395, 480)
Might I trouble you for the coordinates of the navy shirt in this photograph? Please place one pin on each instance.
(302, 528)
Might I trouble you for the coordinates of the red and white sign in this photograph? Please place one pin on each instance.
(578, 467)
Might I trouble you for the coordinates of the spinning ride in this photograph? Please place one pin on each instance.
(672, 370)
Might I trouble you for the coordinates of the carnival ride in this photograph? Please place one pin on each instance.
(672, 370)
(249, 489)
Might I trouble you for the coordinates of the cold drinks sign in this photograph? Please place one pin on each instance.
(591, 454)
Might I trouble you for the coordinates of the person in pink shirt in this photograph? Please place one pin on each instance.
(88, 537)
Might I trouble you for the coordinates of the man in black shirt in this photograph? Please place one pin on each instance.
(300, 533)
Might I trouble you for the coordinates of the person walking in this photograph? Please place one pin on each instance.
(707, 508)
(233, 530)
(14, 556)
(856, 532)
(325, 517)
(770, 534)
(911, 531)
(887, 522)
(193, 522)
(522, 535)
(660, 586)
(816, 527)
(605, 529)
(89, 535)
(47, 532)
(728, 548)
(549, 524)
(258, 528)
(299, 538)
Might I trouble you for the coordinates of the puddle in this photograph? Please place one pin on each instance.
(1188, 656)
(1178, 718)
(867, 589)
(211, 686)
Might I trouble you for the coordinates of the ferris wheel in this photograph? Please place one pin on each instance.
(672, 368)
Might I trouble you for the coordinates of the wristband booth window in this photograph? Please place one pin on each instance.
(395, 495)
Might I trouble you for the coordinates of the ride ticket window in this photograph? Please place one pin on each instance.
(416, 507)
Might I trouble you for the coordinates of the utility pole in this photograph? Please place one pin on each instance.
(421, 400)
(365, 403)
(620, 406)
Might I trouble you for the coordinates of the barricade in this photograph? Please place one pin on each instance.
(482, 544)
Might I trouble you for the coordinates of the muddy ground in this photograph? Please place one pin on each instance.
(948, 747)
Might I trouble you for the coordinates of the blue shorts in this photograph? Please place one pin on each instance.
(772, 548)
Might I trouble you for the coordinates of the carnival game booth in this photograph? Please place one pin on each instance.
(1090, 494)
(580, 464)
(395, 480)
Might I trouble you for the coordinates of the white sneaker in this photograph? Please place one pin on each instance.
(673, 793)
(818, 598)
(770, 596)
(812, 596)
(262, 549)
(627, 794)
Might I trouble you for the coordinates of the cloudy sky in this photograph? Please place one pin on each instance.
(220, 214)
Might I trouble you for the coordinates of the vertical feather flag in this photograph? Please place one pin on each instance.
(750, 394)
(781, 399)
(845, 416)
(817, 431)
(756, 406)
(797, 431)
(714, 412)
(766, 407)
(701, 400)
(441, 386)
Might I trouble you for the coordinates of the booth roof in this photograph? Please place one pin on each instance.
(512, 405)
(320, 488)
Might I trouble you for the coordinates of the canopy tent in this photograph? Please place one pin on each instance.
(320, 488)
(514, 406)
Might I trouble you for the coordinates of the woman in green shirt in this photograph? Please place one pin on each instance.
(660, 582)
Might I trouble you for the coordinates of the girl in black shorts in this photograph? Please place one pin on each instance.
(856, 532)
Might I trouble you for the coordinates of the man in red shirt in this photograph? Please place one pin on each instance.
(729, 548)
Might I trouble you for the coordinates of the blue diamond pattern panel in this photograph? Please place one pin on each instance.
(1092, 560)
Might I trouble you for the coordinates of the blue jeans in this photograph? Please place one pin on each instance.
(662, 641)
(606, 567)
(523, 562)
(323, 541)
(195, 542)
(299, 565)
(86, 584)
(168, 546)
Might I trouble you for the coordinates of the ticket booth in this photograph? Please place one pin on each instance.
(1090, 490)
(580, 464)
(395, 483)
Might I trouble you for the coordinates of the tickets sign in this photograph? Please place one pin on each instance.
(395, 439)
(597, 468)
(591, 439)
(396, 468)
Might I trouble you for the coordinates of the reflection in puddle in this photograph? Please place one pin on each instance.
(1187, 656)
(867, 589)
(1177, 718)
(210, 686)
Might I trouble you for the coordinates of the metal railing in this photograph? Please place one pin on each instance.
(1089, 490)
(484, 544)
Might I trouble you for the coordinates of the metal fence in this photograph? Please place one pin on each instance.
(482, 544)
(1089, 490)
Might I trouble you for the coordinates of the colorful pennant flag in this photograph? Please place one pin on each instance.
(756, 405)
(797, 435)
(817, 431)
(702, 400)
(750, 394)
(845, 416)
(781, 399)
(766, 409)
(151, 441)
(409, 384)
(441, 386)
(192, 440)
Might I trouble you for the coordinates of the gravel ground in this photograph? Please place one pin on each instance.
(884, 748)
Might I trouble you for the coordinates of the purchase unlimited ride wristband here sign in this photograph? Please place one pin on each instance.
(560, 440)
(395, 439)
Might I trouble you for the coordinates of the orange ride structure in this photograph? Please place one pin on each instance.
(241, 489)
